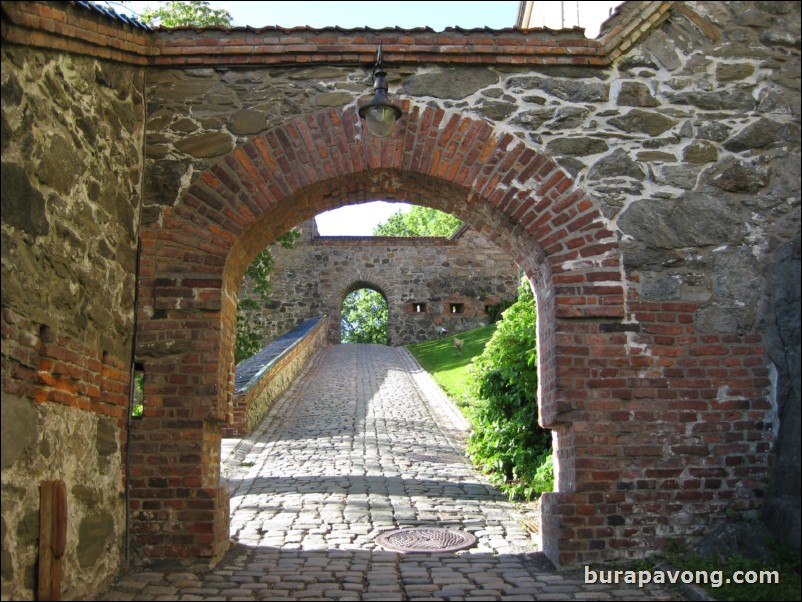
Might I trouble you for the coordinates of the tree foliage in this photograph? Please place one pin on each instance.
(363, 318)
(191, 13)
(261, 267)
(249, 341)
(507, 441)
(419, 221)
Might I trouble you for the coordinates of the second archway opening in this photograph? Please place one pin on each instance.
(363, 317)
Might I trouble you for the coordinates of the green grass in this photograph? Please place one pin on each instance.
(785, 562)
(449, 368)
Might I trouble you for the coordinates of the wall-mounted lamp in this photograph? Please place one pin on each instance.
(380, 114)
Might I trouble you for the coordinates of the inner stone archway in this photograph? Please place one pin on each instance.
(511, 193)
(382, 309)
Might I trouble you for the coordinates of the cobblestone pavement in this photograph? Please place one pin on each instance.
(362, 443)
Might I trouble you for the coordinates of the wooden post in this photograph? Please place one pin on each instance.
(52, 538)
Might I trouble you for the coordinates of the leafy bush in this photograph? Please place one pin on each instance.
(507, 441)
(495, 311)
(138, 407)
(190, 12)
(249, 339)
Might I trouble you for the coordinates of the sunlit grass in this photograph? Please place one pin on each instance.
(448, 367)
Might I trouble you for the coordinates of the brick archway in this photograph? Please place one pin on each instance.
(193, 261)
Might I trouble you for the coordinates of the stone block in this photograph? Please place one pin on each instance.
(695, 220)
(646, 122)
(208, 144)
(20, 428)
(23, 204)
(636, 94)
(450, 83)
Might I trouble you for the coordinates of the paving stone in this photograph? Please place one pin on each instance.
(331, 470)
(340, 594)
(159, 590)
(242, 594)
(560, 589)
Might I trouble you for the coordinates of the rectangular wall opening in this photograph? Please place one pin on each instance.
(138, 396)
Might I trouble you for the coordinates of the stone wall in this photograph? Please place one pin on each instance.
(690, 141)
(72, 131)
(253, 402)
(782, 511)
(422, 279)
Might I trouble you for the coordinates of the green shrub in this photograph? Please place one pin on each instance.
(507, 441)
(138, 407)
(494, 311)
(249, 339)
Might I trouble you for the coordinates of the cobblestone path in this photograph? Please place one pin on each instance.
(364, 443)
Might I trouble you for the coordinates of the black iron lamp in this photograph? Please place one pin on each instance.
(380, 114)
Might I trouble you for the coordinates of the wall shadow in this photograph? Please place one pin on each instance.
(270, 573)
(350, 484)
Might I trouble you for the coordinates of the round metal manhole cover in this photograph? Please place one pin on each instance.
(446, 458)
(416, 457)
(426, 539)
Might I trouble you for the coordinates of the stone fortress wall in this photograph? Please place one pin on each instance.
(71, 196)
(429, 283)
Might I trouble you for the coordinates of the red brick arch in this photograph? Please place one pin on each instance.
(193, 261)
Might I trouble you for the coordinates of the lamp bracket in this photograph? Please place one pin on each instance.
(378, 67)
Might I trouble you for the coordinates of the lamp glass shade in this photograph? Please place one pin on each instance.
(380, 119)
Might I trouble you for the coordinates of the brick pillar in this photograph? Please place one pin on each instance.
(655, 433)
(178, 507)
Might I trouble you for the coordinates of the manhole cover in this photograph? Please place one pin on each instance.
(423, 457)
(426, 539)
(447, 458)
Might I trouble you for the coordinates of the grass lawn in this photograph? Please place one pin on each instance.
(785, 565)
(449, 368)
